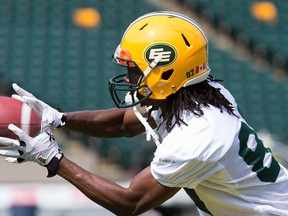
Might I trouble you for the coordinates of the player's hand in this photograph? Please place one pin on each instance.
(42, 149)
(54, 117)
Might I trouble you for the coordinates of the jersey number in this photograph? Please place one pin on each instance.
(256, 155)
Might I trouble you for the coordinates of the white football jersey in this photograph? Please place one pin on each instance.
(221, 163)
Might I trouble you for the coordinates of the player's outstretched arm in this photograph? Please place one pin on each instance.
(99, 123)
(105, 123)
(144, 192)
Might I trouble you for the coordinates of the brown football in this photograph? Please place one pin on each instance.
(15, 112)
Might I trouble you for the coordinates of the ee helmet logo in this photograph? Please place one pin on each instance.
(167, 52)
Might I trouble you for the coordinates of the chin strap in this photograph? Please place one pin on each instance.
(149, 131)
(152, 65)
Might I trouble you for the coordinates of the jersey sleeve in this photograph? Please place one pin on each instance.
(180, 173)
(187, 155)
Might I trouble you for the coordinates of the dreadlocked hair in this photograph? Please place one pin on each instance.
(193, 98)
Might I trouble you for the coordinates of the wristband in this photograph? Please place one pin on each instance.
(63, 120)
(53, 165)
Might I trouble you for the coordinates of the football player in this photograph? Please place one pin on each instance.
(204, 144)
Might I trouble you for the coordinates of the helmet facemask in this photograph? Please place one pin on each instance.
(124, 88)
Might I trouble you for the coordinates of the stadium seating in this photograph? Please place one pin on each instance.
(265, 39)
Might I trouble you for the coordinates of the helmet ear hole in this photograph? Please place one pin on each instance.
(167, 74)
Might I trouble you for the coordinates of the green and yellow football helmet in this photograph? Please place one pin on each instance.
(165, 51)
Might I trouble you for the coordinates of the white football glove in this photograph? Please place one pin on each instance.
(42, 149)
(54, 117)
